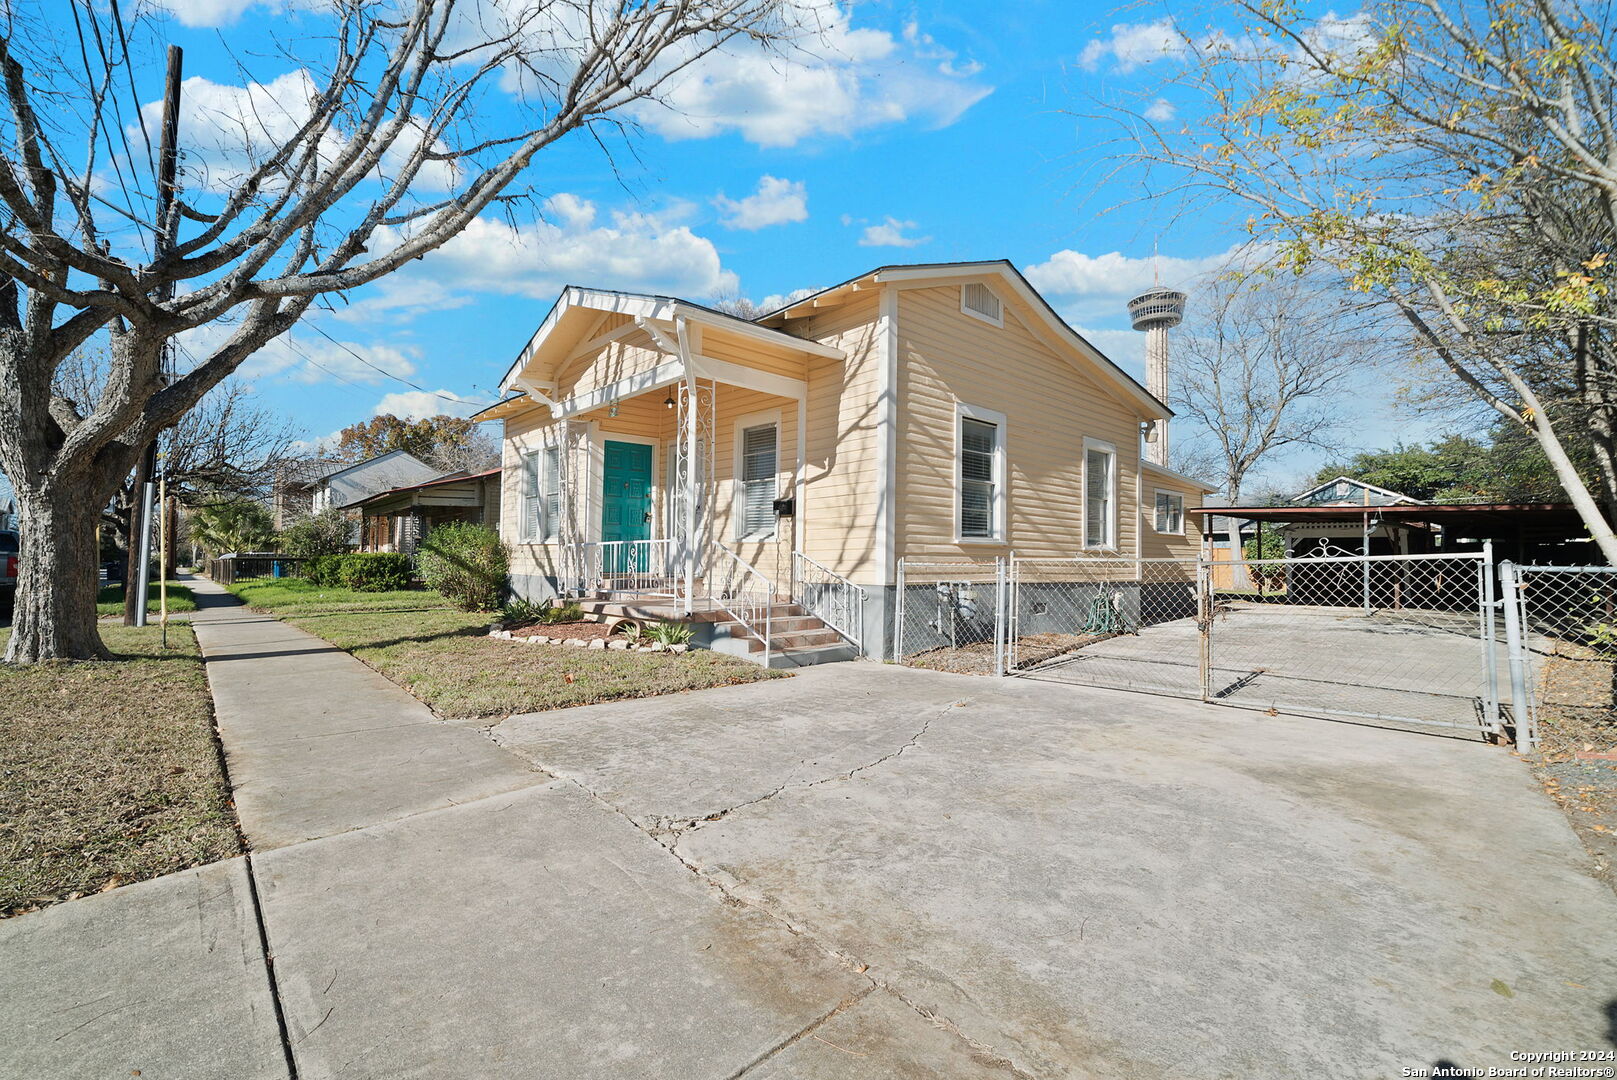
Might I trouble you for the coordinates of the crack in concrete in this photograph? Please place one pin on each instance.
(667, 837)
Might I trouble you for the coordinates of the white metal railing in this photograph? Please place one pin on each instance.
(829, 597)
(745, 594)
(633, 566)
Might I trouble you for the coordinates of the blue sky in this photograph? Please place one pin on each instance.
(927, 133)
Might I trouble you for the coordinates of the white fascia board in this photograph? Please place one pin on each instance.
(766, 382)
(1149, 406)
(1163, 470)
(742, 328)
(665, 374)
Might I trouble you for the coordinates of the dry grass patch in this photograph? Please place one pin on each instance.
(108, 770)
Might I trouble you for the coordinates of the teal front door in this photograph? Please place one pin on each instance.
(626, 496)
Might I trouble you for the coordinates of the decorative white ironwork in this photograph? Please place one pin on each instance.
(743, 593)
(573, 563)
(829, 597)
(645, 567)
(693, 471)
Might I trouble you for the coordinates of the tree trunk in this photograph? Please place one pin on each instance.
(1239, 578)
(56, 577)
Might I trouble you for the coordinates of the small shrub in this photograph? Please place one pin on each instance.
(325, 533)
(672, 633)
(521, 612)
(377, 571)
(565, 613)
(466, 563)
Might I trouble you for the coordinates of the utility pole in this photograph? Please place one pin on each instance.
(167, 224)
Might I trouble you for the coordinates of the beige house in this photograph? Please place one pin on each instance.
(769, 475)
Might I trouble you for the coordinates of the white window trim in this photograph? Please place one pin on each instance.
(738, 495)
(1172, 494)
(1111, 541)
(979, 316)
(997, 512)
(525, 522)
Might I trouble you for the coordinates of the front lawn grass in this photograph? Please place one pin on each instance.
(446, 658)
(108, 770)
(109, 600)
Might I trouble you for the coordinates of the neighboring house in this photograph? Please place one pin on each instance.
(400, 518)
(310, 487)
(939, 412)
(1348, 536)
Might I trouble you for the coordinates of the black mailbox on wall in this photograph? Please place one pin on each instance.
(785, 507)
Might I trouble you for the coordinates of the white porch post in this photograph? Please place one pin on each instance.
(688, 422)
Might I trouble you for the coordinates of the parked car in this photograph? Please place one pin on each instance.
(9, 547)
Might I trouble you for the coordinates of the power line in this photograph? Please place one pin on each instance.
(389, 374)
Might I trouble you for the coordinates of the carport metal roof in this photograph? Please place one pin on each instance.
(1515, 521)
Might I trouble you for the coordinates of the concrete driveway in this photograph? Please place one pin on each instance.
(1079, 882)
(1414, 669)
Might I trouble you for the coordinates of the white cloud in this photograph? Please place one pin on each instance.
(304, 355)
(890, 233)
(418, 404)
(1160, 111)
(776, 202)
(836, 80)
(1095, 288)
(213, 13)
(775, 301)
(1134, 45)
(226, 131)
(639, 251)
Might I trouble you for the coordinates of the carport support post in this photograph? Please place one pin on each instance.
(1521, 709)
(1204, 623)
(1002, 636)
(1490, 658)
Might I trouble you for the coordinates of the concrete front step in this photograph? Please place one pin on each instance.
(801, 639)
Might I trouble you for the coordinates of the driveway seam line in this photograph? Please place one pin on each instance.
(264, 950)
(859, 967)
(797, 1036)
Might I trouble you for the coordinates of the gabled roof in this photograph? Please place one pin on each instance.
(654, 308)
(453, 478)
(1011, 277)
(1397, 495)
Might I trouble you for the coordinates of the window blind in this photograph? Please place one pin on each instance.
(978, 444)
(1098, 498)
(758, 466)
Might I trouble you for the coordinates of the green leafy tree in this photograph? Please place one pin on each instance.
(452, 443)
(235, 525)
(1455, 164)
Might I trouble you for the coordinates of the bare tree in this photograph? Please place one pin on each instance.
(388, 156)
(1456, 162)
(1265, 370)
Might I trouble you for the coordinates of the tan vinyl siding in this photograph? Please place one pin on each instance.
(837, 508)
(1155, 545)
(1050, 406)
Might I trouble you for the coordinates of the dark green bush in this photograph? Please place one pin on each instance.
(373, 571)
(466, 563)
(323, 570)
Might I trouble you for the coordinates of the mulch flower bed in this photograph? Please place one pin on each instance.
(586, 631)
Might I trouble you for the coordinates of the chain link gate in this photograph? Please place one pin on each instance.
(1561, 625)
(1396, 640)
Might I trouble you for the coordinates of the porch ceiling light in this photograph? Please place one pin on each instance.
(612, 410)
(668, 402)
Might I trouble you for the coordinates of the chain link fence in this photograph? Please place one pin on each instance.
(951, 616)
(1562, 625)
(1402, 641)
(1129, 624)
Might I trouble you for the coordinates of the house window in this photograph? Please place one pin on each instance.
(758, 451)
(1170, 513)
(541, 496)
(1100, 495)
(979, 300)
(980, 454)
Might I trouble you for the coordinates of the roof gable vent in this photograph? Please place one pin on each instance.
(979, 300)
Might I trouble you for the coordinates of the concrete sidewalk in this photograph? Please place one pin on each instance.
(433, 906)
(317, 743)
